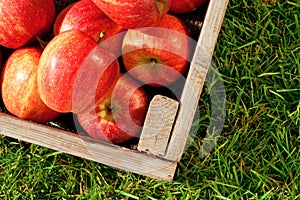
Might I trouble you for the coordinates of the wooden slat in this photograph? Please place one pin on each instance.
(196, 77)
(158, 125)
(84, 147)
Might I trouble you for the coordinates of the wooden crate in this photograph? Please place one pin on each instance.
(157, 154)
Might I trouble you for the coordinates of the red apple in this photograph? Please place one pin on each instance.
(134, 13)
(60, 18)
(1, 59)
(120, 117)
(21, 21)
(84, 15)
(64, 84)
(158, 56)
(185, 6)
(19, 86)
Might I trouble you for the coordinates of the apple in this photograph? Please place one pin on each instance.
(119, 117)
(158, 56)
(84, 15)
(23, 20)
(1, 58)
(64, 84)
(185, 6)
(134, 13)
(60, 18)
(19, 86)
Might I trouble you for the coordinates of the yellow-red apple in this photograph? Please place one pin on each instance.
(84, 15)
(19, 86)
(62, 81)
(134, 13)
(121, 116)
(21, 21)
(158, 56)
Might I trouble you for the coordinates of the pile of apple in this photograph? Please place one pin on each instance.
(99, 55)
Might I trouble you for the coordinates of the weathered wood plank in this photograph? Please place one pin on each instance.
(196, 77)
(85, 147)
(158, 125)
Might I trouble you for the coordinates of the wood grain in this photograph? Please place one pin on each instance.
(158, 125)
(85, 147)
(195, 80)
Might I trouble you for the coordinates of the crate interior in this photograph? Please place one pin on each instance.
(66, 121)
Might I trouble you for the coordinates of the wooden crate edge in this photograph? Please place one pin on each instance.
(111, 155)
(196, 78)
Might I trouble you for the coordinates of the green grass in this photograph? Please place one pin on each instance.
(256, 157)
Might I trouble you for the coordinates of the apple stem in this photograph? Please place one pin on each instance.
(101, 36)
(42, 43)
(161, 4)
(164, 2)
